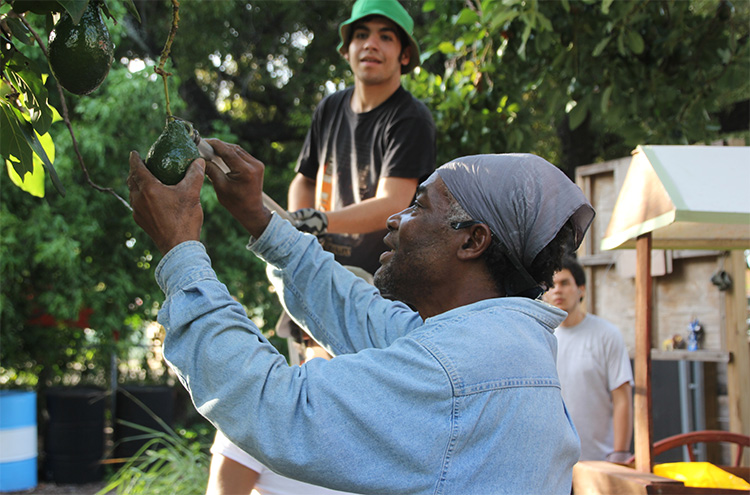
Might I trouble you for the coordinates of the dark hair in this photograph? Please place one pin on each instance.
(542, 269)
(579, 275)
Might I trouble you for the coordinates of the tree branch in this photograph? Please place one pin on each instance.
(66, 119)
(165, 52)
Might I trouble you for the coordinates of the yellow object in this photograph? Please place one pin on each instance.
(701, 475)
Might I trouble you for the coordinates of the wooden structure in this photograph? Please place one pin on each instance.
(678, 198)
(601, 477)
(695, 437)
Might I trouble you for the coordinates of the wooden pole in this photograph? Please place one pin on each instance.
(643, 429)
(738, 369)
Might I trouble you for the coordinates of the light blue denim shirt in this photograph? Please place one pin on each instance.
(466, 402)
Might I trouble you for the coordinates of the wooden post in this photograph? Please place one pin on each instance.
(738, 369)
(643, 430)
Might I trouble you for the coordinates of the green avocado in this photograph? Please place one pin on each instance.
(80, 55)
(173, 152)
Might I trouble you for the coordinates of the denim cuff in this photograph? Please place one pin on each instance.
(274, 246)
(182, 265)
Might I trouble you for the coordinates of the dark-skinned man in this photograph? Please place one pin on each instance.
(459, 396)
(366, 151)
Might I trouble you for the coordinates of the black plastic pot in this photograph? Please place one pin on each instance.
(140, 405)
(74, 435)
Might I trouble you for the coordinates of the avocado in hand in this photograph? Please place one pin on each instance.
(173, 152)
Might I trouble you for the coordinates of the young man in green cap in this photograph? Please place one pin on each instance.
(368, 148)
(369, 145)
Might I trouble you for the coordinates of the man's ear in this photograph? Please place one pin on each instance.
(406, 56)
(476, 242)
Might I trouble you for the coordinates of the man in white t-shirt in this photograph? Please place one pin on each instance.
(595, 372)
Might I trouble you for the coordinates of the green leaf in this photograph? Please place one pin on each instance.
(130, 7)
(605, 98)
(621, 43)
(577, 115)
(13, 163)
(605, 6)
(105, 11)
(559, 59)
(601, 46)
(544, 23)
(425, 55)
(9, 56)
(525, 37)
(13, 146)
(635, 42)
(725, 55)
(467, 16)
(28, 133)
(75, 8)
(447, 47)
(32, 182)
(499, 19)
(31, 86)
(19, 30)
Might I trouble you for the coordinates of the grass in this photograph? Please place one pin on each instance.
(166, 464)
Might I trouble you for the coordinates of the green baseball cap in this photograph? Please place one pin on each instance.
(391, 9)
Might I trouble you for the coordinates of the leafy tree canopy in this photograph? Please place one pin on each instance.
(582, 81)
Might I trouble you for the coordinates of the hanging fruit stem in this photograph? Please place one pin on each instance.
(69, 125)
(165, 53)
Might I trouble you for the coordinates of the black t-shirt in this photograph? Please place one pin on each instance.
(346, 154)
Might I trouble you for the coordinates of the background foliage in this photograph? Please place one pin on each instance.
(584, 81)
(573, 81)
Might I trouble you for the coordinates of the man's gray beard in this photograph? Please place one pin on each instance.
(384, 283)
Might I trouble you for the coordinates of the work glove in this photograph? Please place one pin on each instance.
(310, 220)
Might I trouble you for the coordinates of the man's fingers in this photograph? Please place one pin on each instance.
(193, 179)
(214, 173)
(134, 158)
(222, 148)
(136, 164)
(229, 152)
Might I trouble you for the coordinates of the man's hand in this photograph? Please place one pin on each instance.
(241, 189)
(169, 214)
(310, 220)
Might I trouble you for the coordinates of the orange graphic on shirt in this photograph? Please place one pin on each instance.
(324, 188)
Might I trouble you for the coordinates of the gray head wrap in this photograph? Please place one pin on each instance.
(525, 201)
